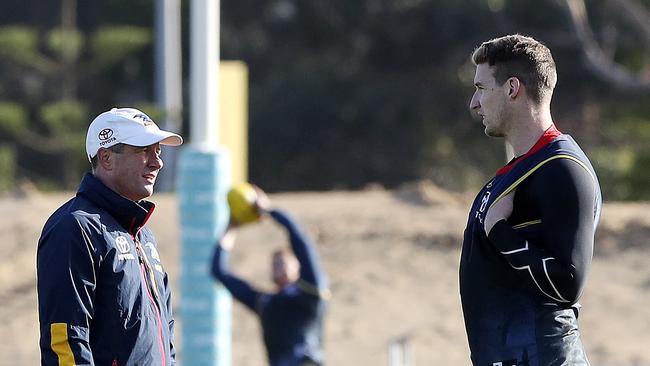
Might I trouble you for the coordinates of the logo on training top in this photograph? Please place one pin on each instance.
(480, 213)
(124, 247)
(153, 250)
(105, 136)
(145, 119)
(122, 244)
(155, 256)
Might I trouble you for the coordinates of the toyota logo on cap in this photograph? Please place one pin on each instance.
(105, 134)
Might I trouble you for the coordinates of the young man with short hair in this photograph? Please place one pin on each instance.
(529, 239)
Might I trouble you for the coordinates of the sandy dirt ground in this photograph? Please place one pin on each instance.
(392, 259)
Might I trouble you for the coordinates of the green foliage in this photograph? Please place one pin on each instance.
(347, 93)
(623, 172)
(64, 117)
(67, 44)
(74, 157)
(342, 93)
(13, 118)
(46, 84)
(111, 44)
(18, 43)
(613, 165)
(624, 156)
(7, 167)
(152, 110)
(638, 177)
(629, 128)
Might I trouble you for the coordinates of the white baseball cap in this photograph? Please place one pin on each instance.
(126, 126)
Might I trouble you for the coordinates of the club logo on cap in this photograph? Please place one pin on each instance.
(106, 137)
(145, 119)
(105, 134)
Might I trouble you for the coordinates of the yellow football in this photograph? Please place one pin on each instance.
(241, 200)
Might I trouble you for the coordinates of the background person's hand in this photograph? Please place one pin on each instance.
(500, 210)
(227, 242)
(262, 201)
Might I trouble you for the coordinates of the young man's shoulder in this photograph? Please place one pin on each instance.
(561, 171)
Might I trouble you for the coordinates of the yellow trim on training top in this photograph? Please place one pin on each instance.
(60, 345)
(311, 289)
(527, 223)
(528, 173)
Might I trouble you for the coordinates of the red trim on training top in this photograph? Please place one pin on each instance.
(133, 230)
(549, 135)
(146, 218)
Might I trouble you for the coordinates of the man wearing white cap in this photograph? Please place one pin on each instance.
(104, 297)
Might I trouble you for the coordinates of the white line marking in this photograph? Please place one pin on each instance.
(549, 279)
(537, 284)
(517, 250)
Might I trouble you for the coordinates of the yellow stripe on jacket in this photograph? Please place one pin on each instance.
(60, 344)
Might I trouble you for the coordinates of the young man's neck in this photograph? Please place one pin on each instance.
(528, 130)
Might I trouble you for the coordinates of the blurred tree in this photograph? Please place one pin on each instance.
(600, 57)
(348, 93)
(41, 117)
(342, 93)
(614, 40)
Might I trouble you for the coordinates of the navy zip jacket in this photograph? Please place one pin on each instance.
(292, 318)
(103, 296)
(520, 286)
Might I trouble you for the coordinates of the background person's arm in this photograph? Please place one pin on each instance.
(238, 288)
(305, 251)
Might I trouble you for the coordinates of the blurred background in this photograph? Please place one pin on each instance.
(342, 94)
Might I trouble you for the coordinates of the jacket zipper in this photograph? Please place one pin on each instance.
(144, 268)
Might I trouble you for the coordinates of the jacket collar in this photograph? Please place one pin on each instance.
(130, 214)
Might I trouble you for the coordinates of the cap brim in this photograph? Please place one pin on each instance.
(153, 137)
(172, 140)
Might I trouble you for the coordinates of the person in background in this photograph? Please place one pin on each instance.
(292, 317)
(529, 239)
(103, 295)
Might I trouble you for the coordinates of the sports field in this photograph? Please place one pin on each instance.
(392, 257)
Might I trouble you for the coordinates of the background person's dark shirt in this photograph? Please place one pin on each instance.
(292, 318)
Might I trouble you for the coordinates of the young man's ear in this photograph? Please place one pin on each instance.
(105, 159)
(514, 87)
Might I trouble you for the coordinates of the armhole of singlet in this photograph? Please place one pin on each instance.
(539, 165)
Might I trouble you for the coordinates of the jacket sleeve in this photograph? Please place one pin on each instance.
(312, 277)
(66, 283)
(555, 264)
(170, 316)
(237, 287)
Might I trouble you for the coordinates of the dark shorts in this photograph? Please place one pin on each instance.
(557, 343)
